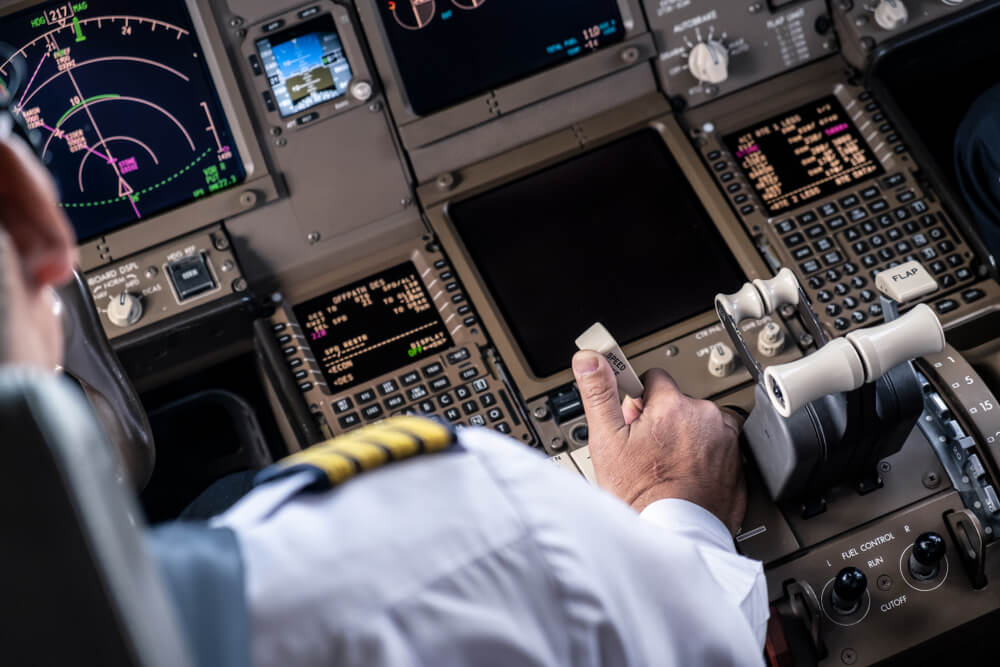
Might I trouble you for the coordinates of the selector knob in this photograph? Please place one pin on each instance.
(771, 340)
(928, 550)
(891, 14)
(709, 61)
(849, 587)
(721, 360)
(125, 309)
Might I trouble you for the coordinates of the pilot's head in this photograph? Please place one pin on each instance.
(37, 251)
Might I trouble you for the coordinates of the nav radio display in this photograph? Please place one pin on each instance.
(373, 326)
(803, 155)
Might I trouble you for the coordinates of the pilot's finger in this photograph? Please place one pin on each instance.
(660, 387)
(632, 409)
(733, 420)
(599, 393)
(30, 214)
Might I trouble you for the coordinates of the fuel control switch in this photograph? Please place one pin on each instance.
(849, 588)
(928, 550)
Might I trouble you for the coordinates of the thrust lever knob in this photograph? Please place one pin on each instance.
(916, 334)
(849, 587)
(928, 550)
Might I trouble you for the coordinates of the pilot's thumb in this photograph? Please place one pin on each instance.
(599, 393)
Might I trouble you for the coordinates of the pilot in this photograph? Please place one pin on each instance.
(482, 553)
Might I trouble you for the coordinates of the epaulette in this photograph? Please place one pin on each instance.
(337, 460)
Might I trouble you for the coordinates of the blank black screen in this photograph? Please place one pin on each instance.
(450, 50)
(616, 235)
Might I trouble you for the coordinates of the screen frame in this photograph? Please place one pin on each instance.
(549, 152)
(258, 187)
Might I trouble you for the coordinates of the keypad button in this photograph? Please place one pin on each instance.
(720, 165)
(900, 149)
(877, 241)
(868, 227)
(936, 234)
(444, 400)
(903, 247)
(816, 231)
(857, 282)
(284, 340)
(902, 214)
(470, 407)
(946, 306)
(713, 155)
(487, 400)
(832, 309)
(463, 310)
(946, 246)
(836, 222)
(954, 260)
(451, 287)
(823, 245)
(439, 384)
(301, 375)
(802, 253)
(894, 234)
(294, 363)
(480, 385)
(388, 387)
(886, 254)
(793, 240)
(410, 378)
(868, 261)
(290, 350)
(833, 257)
(824, 296)
(279, 327)
(350, 421)
(906, 196)
(365, 396)
(832, 275)
(452, 414)
(816, 282)
(870, 192)
(918, 207)
(828, 209)
(867, 295)
(463, 393)
(878, 206)
(875, 310)
(858, 317)
(849, 201)
(747, 210)
(427, 407)
(372, 412)
(841, 324)
(920, 240)
(503, 427)
(938, 267)
(477, 420)
(342, 406)
(458, 298)
(431, 370)
(850, 303)
(458, 356)
(417, 393)
(894, 180)
(807, 218)
(447, 275)
(494, 414)
(885, 220)
(740, 198)
(860, 248)
(440, 264)
(395, 402)
(947, 280)
(871, 106)
(469, 373)
(305, 386)
(812, 266)
(726, 177)
(784, 226)
(928, 220)
(469, 321)
(841, 289)
(852, 234)
(973, 294)
(849, 269)
(928, 253)
(963, 274)
(857, 214)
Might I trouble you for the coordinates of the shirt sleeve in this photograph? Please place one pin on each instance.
(741, 578)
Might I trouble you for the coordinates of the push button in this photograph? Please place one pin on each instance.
(190, 276)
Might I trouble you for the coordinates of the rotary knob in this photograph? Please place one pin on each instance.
(891, 14)
(849, 587)
(709, 61)
(721, 360)
(771, 340)
(125, 309)
(928, 550)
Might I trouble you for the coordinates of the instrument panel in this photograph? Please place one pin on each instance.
(415, 206)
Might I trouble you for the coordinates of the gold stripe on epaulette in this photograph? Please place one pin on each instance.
(372, 447)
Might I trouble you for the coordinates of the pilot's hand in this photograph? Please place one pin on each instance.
(37, 251)
(665, 445)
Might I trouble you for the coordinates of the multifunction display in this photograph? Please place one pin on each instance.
(305, 65)
(120, 96)
(372, 326)
(449, 50)
(802, 155)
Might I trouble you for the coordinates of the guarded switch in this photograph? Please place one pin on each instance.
(849, 587)
(190, 276)
(928, 550)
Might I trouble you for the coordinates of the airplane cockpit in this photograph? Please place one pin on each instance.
(296, 218)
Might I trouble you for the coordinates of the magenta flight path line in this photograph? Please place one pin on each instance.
(32, 80)
(103, 157)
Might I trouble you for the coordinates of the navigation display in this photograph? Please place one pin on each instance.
(373, 326)
(305, 65)
(615, 236)
(120, 95)
(802, 155)
(449, 50)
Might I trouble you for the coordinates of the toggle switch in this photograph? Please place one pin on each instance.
(925, 559)
(849, 587)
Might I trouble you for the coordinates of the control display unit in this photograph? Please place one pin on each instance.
(305, 65)
(373, 326)
(123, 104)
(547, 244)
(802, 155)
(449, 50)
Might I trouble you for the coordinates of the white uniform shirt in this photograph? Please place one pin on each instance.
(489, 555)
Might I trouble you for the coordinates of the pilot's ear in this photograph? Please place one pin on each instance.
(30, 214)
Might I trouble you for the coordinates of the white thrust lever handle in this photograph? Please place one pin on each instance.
(916, 334)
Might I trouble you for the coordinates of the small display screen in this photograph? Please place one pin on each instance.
(803, 155)
(121, 99)
(305, 65)
(449, 50)
(615, 236)
(373, 326)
